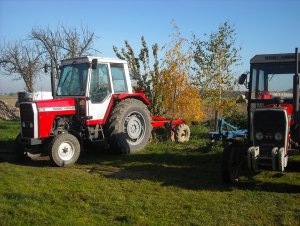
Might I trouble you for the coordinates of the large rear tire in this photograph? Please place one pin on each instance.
(129, 127)
(231, 163)
(64, 149)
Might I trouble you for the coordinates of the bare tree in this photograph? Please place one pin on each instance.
(23, 61)
(77, 43)
(49, 42)
(63, 42)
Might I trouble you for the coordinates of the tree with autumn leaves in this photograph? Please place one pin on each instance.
(191, 76)
(167, 85)
(181, 99)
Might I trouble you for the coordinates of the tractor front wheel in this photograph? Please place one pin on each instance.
(129, 127)
(231, 163)
(64, 149)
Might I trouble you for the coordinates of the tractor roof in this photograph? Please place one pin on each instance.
(88, 59)
(273, 58)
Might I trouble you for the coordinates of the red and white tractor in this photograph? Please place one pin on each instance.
(94, 101)
(273, 117)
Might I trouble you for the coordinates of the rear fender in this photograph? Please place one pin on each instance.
(114, 100)
(139, 96)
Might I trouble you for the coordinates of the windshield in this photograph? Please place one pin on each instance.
(272, 80)
(72, 81)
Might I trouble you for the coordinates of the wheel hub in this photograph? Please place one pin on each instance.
(66, 151)
(134, 128)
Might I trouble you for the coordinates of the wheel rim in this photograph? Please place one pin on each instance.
(134, 128)
(66, 151)
(184, 134)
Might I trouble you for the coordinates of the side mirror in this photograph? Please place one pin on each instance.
(242, 79)
(94, 63)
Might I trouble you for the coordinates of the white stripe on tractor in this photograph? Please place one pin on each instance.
(66, 108)
(35, 121)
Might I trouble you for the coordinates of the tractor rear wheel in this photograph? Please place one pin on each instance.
(182, 133)
(231, 163)
(129, 127)
(64, 149)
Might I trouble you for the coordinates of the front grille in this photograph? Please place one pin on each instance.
(27, 119)
(269, 122)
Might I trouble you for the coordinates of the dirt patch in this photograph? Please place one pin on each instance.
(8, 112)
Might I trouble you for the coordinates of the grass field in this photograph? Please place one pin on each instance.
(165, 184)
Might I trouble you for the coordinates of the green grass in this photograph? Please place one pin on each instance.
(166, 184)
(8, 132)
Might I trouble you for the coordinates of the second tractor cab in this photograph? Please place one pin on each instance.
(273, 116)
(94, 101)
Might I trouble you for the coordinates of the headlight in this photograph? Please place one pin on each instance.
(259, 136)
(278, 136)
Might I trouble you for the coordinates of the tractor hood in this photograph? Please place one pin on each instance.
(62, 106)
(47, 110)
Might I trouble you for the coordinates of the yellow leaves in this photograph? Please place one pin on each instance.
(180, 98)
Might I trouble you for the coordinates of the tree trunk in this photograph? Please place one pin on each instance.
(216, 120)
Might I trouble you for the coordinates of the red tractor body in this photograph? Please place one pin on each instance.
(273, 116)
(94, 101)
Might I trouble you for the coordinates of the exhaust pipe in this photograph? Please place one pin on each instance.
(296, 94)
(52, 80)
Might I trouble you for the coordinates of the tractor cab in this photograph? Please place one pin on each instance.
(94, 81)
(271, 86)
(271, 110)
(273, 116)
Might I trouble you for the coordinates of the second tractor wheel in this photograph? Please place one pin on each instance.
(129, 127)
(182, 133)
(64, 150)
(231, 163)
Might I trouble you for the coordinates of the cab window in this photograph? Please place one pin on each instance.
(99, 86)
(118, 78)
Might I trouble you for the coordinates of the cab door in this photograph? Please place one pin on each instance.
(99, 92)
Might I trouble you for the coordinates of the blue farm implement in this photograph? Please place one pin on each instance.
(227, 131)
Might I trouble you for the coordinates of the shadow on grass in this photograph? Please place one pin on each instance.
(187, 168)
(7, 155)
(269, 187)
(33, 161)
(282, 187)
(190, 169)
(6, 145)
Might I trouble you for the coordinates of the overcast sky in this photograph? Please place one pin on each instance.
(263, 26)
